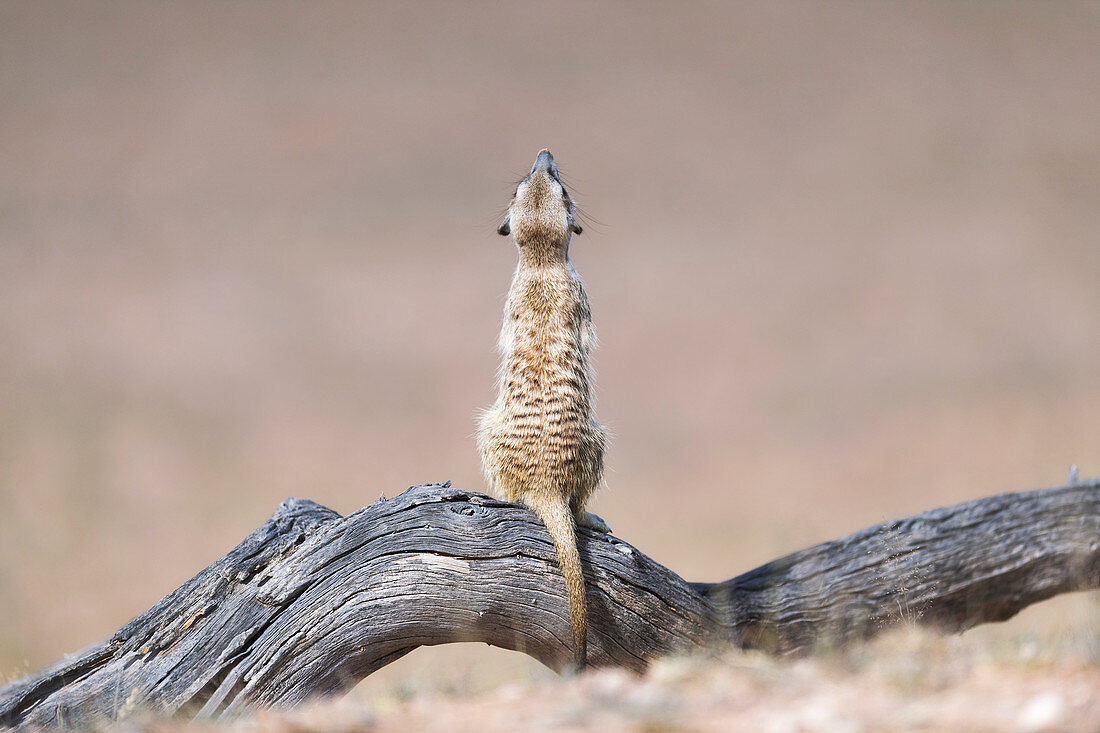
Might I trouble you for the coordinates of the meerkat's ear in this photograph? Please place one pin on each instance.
(505, 227)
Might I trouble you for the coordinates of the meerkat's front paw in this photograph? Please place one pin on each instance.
(592, 521)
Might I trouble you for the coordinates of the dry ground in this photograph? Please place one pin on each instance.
(845, 268)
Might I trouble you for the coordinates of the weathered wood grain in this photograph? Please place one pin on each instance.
(311, 602)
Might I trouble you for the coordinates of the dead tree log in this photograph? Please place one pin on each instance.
(311, 602)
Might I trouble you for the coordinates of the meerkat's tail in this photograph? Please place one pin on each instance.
(559, 523)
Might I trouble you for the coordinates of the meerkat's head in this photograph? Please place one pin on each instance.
(541, 211)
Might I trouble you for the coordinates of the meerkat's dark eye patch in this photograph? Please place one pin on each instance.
(505, 227)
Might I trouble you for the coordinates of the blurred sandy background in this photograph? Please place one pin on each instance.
(844, 265)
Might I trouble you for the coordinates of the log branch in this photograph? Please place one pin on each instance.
(312, 602)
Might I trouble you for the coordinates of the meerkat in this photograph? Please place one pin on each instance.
(540, 443)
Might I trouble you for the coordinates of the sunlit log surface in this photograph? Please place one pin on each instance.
(312, 602)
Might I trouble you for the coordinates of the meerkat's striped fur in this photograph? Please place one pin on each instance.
(540, 443)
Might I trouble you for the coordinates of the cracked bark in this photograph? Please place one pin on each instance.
(312, 602)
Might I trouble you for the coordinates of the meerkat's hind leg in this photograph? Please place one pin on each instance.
(586, 519)
(591, 521)
(580, 517)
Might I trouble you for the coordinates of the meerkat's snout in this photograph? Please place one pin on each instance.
(541, 208)
(545, 162)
